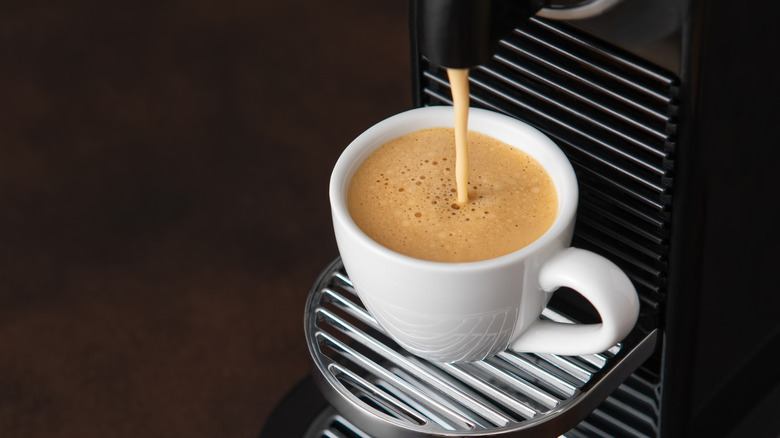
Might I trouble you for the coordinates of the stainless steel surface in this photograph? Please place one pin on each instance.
(625, 411)
(329, 424)
(575, 10)
(387, 392)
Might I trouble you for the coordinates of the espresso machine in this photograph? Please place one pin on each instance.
(666, 110)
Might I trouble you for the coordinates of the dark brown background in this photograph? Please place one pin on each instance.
(163, 202)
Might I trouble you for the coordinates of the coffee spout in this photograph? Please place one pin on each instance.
(464, 33)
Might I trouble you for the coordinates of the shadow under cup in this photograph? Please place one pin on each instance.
(450, 312)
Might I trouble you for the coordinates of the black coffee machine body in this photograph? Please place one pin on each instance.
(667, 111)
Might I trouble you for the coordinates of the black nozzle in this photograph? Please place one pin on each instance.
(464, 33)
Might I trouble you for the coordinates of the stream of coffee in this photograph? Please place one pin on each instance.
(459, 84)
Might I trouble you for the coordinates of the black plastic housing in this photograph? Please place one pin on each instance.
(464, 33)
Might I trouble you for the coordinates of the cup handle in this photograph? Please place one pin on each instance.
(602, 283)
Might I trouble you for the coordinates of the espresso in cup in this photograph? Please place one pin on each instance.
(403, 197)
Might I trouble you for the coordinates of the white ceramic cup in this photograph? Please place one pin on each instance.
(453, 312)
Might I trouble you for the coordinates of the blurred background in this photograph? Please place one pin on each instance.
(163, 202)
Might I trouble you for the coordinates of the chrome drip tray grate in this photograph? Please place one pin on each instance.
(388, 392)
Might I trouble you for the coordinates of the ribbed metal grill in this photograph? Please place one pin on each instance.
(365, 373)
(614, 117)
(329, 424)
(629, 412)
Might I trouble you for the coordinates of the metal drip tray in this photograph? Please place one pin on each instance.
(387, 392)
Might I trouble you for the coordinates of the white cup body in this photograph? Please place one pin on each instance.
(452, 312)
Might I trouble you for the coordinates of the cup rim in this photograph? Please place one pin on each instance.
(442, 116)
